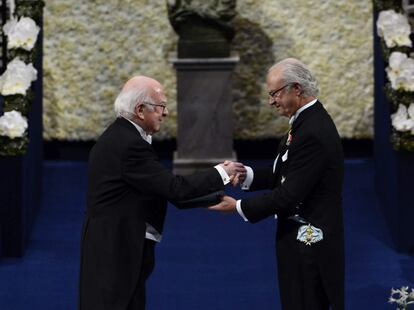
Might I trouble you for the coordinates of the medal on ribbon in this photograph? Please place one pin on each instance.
(309, 234)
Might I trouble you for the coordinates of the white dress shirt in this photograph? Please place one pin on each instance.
(151, 233)
(250, 175)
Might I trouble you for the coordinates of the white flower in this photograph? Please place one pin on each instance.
(394, 28)
(400, 71)
(411, 295)
(12, 124)
(401, 120)
(404, 299)
(21, 33)
(17, 78)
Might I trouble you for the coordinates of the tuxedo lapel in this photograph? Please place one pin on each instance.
(283, 145)
(280, 151)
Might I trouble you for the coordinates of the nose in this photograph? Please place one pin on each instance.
(271, 100)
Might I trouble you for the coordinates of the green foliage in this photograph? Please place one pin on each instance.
(13, 147)
(396, 97)
(30, 8)
(386, 52)
(402, 141)
(19, 103)
(382, 5)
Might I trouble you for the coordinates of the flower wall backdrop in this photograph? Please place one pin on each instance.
(91, 49)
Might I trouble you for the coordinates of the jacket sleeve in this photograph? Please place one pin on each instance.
(306, 166)
(261, 179)
(203, 201)
(142, 170)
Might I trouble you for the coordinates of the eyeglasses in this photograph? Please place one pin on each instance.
(275, 93)
(163, 106)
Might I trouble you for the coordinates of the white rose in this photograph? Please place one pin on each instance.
(400, 71)
(21, 33)
(394, 28)
(12, 124)
(17, 78)
(393, 70)
(396, 59)
(401, 120)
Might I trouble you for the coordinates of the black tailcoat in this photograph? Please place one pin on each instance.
(307, 181)
(127, 187)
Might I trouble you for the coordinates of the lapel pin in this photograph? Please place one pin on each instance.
(289, 139)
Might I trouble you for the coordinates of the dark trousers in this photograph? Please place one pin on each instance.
(304, 289)
(300, 282)
(148, 260)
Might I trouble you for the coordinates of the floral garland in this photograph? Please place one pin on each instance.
(21, 33)
(394, 30)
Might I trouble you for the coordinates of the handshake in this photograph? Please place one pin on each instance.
(225, 204)
(238, 173)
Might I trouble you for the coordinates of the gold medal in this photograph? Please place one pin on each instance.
(309, 235)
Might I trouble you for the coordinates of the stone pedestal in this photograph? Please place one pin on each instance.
(204, 112)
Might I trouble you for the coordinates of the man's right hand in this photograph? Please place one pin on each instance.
(235, 170)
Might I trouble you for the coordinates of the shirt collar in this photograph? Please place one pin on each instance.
(295, 116)
(141, 131)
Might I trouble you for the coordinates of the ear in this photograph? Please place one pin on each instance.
(298, 89)
(139, 111)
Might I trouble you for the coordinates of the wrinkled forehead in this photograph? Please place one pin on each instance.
(159, 94)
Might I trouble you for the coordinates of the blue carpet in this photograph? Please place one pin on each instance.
(206, 260)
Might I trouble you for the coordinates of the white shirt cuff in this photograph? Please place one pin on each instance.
(239, 210)
(249, 178)
(152, 234)
(224, 176)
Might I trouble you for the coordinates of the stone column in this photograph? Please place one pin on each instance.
(204, 112)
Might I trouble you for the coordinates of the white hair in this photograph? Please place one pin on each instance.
(295, 72)
(126, 101)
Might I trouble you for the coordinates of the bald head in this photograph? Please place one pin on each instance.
(140, 81)
(137, 90)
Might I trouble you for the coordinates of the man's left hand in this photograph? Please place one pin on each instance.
(227, 205)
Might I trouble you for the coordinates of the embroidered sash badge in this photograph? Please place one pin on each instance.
(309, 234)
